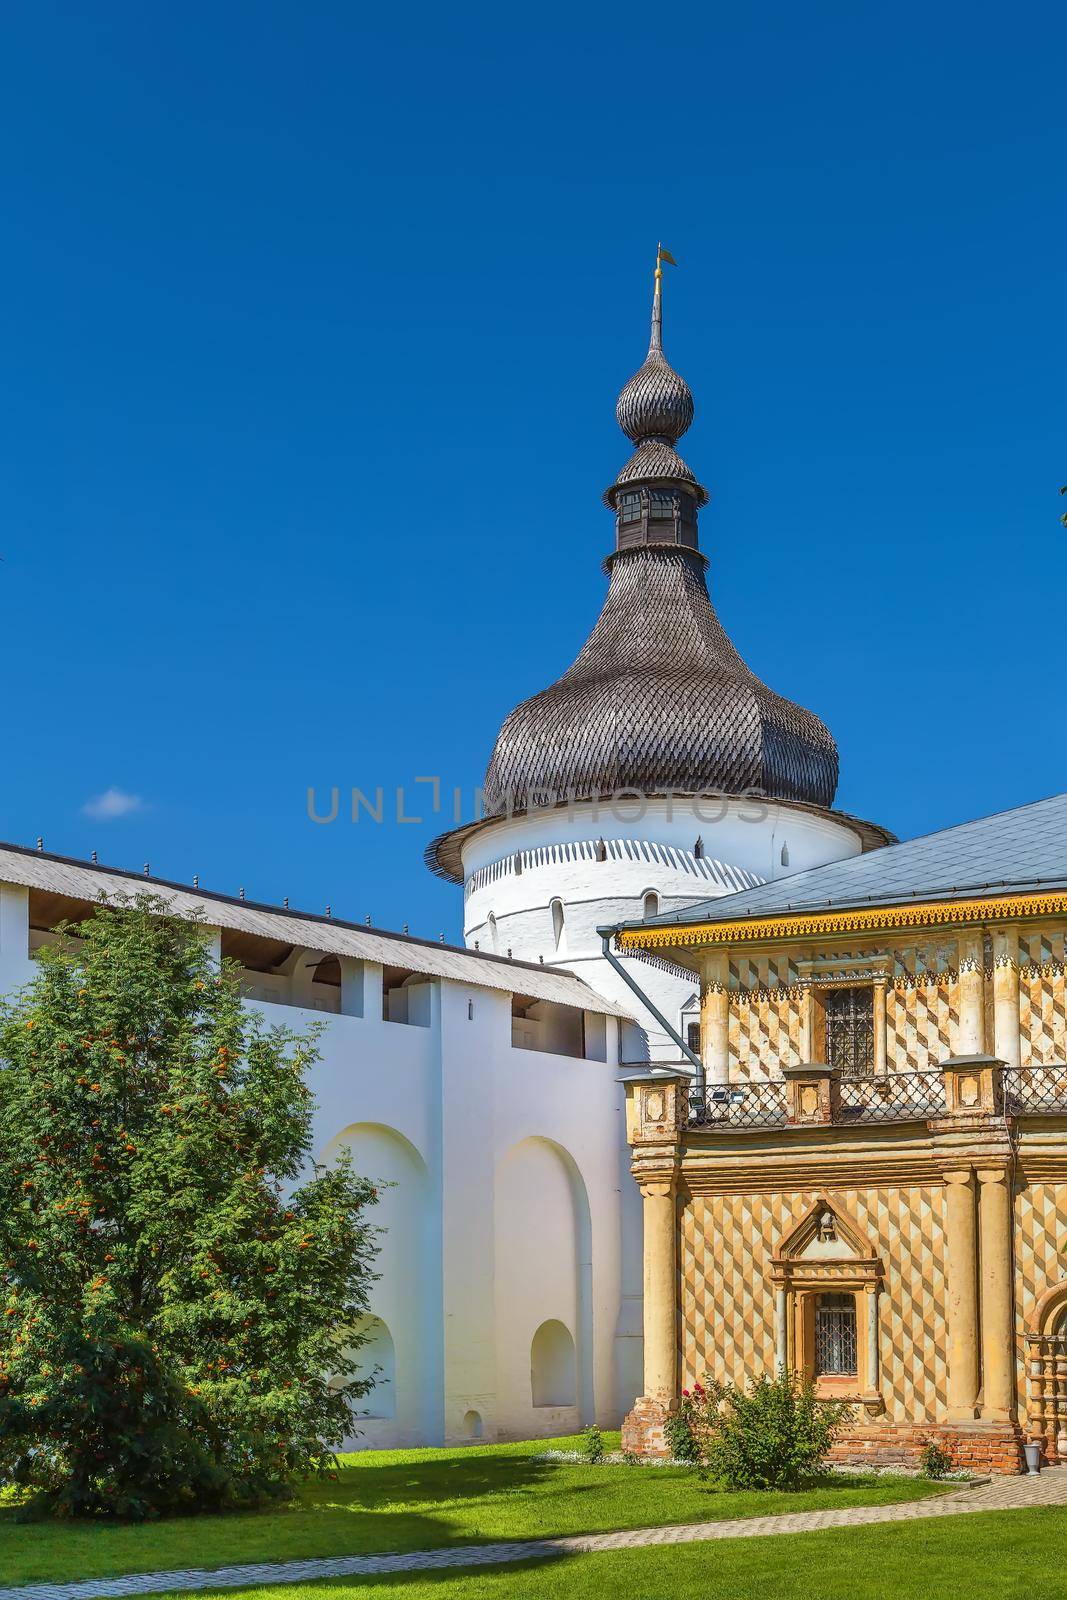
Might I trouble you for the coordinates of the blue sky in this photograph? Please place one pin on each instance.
(313, 319)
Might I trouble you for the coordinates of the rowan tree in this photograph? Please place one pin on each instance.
(180, 1286)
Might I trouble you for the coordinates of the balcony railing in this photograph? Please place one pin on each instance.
(1029, 1091)
(892, 1097)
(875, 1097)
(758, 1104)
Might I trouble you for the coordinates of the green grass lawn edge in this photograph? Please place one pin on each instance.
(401, 1501)
(995, 1555)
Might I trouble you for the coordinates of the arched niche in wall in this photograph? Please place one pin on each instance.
(553, 1366)
(401, 1302)
(376, 1358)
(473, 1427)
(543, 1271)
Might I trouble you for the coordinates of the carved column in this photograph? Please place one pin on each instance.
(961, 1301)
(971, 1034)
(998, 1330)
(715, 1018)
(656, 1115)
(880, 1041)
(661, 1290)
(871, 1298)
(781, 1329)
(1006, 1024)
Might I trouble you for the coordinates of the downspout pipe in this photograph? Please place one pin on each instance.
(699, 1084)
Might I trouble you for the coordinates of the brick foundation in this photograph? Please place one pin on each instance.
(983, 1448)
(644, 1428)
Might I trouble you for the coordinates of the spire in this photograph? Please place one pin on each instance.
(656, 341)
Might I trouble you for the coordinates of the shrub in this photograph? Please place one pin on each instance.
(174, 1313)
(934, 1462)
(681, 1441)
(593, 1445)
(769, 1436)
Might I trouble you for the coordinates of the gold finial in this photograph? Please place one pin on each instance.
(657, 297)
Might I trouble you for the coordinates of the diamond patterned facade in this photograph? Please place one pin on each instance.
(1043, 993)
(946, 1245)
(726, 1247)
(922, 1020)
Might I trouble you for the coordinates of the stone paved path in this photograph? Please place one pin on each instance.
(1001, 1494)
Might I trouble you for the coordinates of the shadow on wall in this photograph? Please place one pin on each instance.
(377, 1359)
(544, 1313)
(404, 1406)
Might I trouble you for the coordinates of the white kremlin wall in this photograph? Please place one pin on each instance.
(501, 1309)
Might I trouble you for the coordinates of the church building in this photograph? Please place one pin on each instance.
(869, 1186)
(835, 1065)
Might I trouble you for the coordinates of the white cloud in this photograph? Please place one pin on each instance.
(112, 803)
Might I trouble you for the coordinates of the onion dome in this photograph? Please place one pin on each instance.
(656, 403)
(658, 701)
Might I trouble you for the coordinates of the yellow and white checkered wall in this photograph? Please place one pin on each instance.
(727, 1297)
(767, 1010)
(1042, 999)
(1040, 1254)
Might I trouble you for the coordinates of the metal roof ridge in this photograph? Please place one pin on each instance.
(284, 911)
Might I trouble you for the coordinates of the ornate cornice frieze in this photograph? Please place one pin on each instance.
(861, 919)
(850, 1270)
(766, 996)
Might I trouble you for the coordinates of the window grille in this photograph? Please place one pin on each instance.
(850, 1030)
(631, 508)
(692, 1036)
(662, 504)
(835, 1336)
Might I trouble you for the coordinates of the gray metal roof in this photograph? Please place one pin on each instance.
(32, 869)
(1012, 851)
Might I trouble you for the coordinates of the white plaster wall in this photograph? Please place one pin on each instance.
(543, 1272)
(461, 1096)
(743, 844)
(438, 1111)
(403, 1297)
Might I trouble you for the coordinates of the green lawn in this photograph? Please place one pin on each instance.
(416, 1499)
(1001, 1555)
